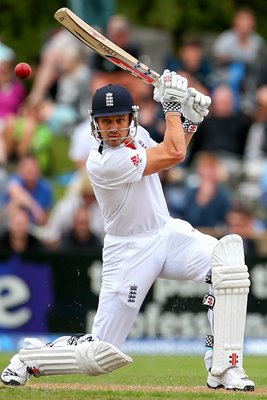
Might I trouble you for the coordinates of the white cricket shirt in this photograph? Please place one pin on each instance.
(131, 203)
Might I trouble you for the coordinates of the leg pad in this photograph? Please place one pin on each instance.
(91, 358)
(230, 283)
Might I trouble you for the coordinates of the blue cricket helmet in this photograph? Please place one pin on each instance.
(112, 100)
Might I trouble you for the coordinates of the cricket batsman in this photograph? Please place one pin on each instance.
(144, 243)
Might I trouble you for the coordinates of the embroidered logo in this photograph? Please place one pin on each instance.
(109, 99)
(132, 294)
(136, 160)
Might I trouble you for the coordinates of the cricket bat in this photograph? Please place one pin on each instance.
(105, 47)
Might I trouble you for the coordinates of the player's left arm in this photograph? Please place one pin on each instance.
(194, 110)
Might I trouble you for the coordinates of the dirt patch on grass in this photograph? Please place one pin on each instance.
(132, 388)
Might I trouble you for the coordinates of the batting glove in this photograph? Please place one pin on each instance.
(194, 109)
(171, 91)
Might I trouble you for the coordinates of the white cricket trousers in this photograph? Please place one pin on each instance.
(132, 264)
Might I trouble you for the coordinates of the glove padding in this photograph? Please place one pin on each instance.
(172, 88)
(196, 105)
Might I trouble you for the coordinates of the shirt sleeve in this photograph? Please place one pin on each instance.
(122, 166)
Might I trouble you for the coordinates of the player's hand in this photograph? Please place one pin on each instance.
(196, 105)
(172, 88)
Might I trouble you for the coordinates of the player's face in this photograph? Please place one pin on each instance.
(114, 129)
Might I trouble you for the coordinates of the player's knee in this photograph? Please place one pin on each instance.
(99, 357)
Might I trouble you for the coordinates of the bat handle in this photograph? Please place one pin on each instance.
(156, 83)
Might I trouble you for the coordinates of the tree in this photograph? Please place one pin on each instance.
(24, 26)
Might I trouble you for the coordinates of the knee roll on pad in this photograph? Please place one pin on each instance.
(100, 357)
(230, 283)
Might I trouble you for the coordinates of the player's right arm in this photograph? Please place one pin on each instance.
(171, 151)
(171, 93)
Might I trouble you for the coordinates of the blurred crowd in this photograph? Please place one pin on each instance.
(221, 187)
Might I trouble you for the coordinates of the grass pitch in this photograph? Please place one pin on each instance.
(149, 377)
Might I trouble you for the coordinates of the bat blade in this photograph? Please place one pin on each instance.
(103, 46)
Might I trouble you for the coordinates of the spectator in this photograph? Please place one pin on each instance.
(262, 76)
(174, 183)
(263, 188)
(12, 92)
(80, 236)
(151, 117)
(252, 186)
(104, 72)
(29, 189)
(26, 133)
(207, 202)
(241, 219)
(70, 104)
(6, 53)
(256, 144)
(237, 53)
(17, 237)
(224, 132)
(191, 62)
(49, 68)
(80, 143)
(62, 214)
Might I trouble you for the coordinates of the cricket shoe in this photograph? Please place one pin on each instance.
(16, 373)
(233, 378)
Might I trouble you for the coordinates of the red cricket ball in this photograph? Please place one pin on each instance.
(23, 70)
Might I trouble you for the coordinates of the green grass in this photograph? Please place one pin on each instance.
(149, 377)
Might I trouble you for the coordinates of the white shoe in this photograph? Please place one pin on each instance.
(233, 378)
(15, 374)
